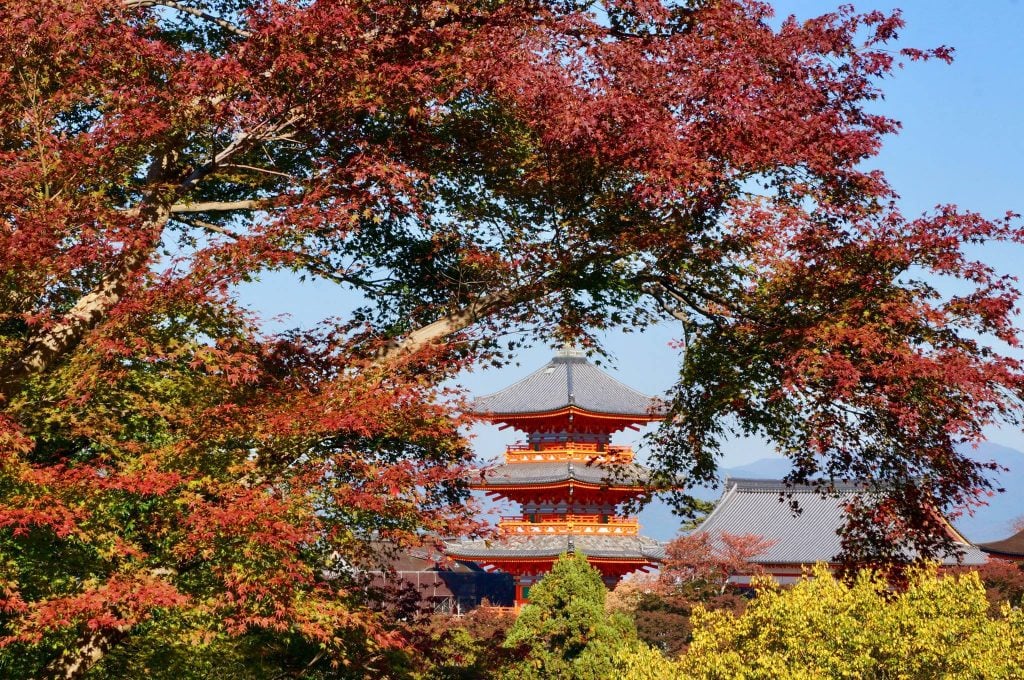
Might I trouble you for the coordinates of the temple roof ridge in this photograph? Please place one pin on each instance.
(760, 484)
(750, 506)
(569, 379)
(1012, 546)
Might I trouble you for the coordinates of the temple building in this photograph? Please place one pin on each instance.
(1011, 548)
(567, 476)
(424, 581)
(763, 507)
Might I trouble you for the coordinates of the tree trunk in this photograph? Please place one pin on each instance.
(90, 648)
(49, 344)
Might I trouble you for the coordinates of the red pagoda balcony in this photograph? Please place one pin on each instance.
(553, 525)
(568, 452)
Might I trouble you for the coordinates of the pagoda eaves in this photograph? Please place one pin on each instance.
(614, 556)
(569, 392)
(595, 480)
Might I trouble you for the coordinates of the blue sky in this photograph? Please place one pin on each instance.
(962, 142)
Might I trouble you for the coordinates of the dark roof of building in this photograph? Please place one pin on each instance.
(432, 577)
(762, 507)
(569, 380)
(524, 547)
(616, 474)
(425, 560)
(1012, 546)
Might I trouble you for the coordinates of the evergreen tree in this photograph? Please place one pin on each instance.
(565, 632)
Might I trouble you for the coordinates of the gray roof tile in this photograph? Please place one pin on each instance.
(568, 380)
(757, 506)
(619, 474)
(631, 547)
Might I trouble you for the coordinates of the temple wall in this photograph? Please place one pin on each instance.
(562, 508)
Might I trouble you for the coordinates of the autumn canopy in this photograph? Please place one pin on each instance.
(465, 172)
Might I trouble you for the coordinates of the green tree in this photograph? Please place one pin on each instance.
(565, 632)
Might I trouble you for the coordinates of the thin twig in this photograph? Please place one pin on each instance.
(254, 168)
(226, 25)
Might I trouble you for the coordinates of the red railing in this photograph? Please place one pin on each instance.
(580, 452)
(571, 524)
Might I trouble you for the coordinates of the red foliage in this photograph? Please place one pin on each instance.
(462, 170)
(701, 557)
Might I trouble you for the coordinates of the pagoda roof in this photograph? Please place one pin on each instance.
(526, 474)
(639, 548)
(1011, 547)
(567, 381)
(762, 507)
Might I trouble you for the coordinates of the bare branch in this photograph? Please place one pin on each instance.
(198, 13)
(217, 206)
(210, 226)
(447, 325)
(253, 168)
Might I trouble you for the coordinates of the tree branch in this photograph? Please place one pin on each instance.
(218, 206)
(314, 264)
(90, 647)
(447, 325)
(50, 343)
(198, 13)
(255, 168)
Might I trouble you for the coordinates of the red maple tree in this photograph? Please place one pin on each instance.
(711, 559)
(461, 169)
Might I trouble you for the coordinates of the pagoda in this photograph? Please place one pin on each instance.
(567, 475)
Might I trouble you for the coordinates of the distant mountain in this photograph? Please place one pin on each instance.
(659, 522)
(989, 523)
(995, 521)
(763, 468)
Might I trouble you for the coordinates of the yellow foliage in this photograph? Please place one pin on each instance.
(939, 627)
(638, 661)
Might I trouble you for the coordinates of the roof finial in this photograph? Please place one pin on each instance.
(569, 349)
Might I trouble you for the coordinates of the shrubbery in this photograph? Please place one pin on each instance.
(938, 627)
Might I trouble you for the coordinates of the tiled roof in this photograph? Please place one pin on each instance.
(1012, 546)
(759, 506)
(609, 547)
(568, 380)
(627, 474)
